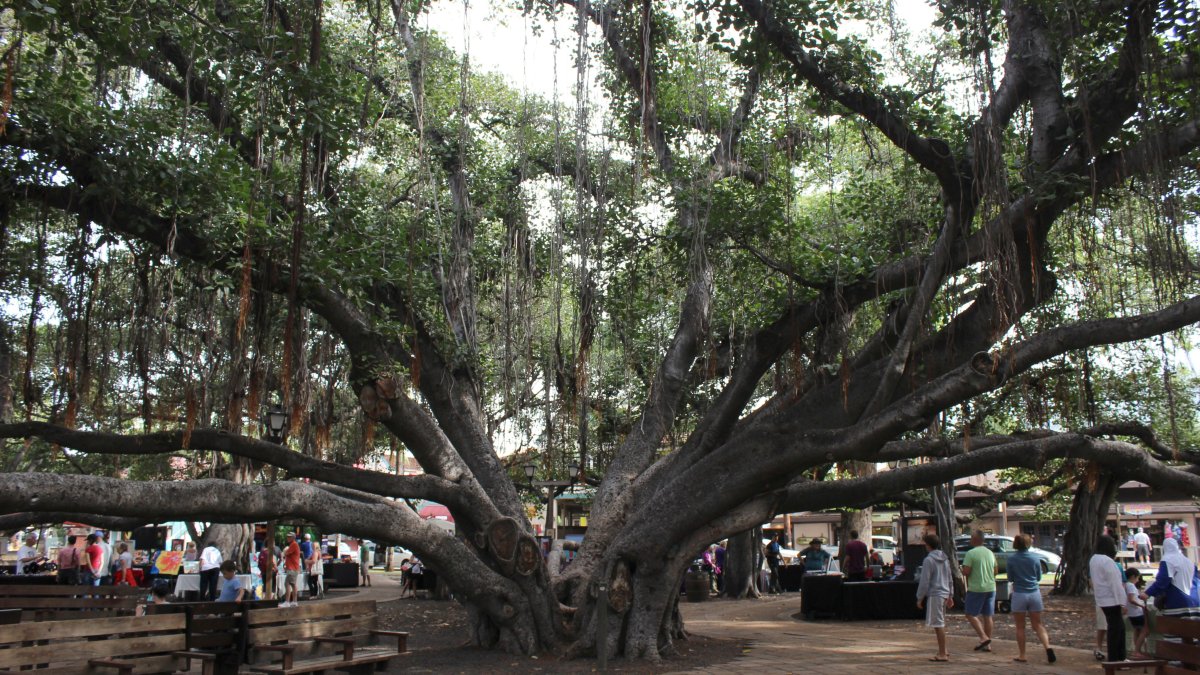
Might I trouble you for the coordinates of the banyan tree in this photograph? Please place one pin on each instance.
(735, 257)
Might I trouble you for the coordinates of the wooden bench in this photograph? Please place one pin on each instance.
(1171, 658)
(51, 603)
(321, 636)
(124, 645)
(216, 632)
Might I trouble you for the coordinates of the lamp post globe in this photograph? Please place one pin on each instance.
(275, 422)
(530, 470)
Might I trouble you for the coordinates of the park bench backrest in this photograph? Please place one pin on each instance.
(1187, 651)
(214, 626)
(38, 591)
(67, 646)
(326, 619)
(9, 616)
(56, 603)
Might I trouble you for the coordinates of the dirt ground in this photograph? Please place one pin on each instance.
(437, 636)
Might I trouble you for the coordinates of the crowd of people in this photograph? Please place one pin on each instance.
(1119, 593)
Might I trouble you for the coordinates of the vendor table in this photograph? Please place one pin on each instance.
(879, 600)
(821, 595)
(830, 595)
(191, 582)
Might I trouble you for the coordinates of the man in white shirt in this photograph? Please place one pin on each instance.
(210, 571)
(28, 554)
(1141, 543)
(106, 561)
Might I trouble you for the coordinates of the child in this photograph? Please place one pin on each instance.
(158, 596)
(232, 591)
(935, 586)
(1137, 610)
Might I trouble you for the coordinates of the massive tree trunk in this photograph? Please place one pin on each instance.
(743, 559)
(1089, 512)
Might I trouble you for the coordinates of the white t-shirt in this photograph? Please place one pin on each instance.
(1141, 539)
(210, 558)
(1132, 592)
(126, 560)
(22, 553)
(106, 560)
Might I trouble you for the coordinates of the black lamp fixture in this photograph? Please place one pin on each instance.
(530, 470)
(573, 471)
(275, 422)
(899, 463)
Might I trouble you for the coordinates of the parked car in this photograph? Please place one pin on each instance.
(1003, 547)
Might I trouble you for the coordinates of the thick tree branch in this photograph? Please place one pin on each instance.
(933, 155)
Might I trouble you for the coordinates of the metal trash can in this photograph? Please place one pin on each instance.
(696, 586)
(1003, 596)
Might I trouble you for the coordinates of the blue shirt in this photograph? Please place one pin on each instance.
(1024, 571)
(229, 591)
(305, 550)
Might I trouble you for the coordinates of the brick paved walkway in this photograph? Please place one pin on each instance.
(777, 643)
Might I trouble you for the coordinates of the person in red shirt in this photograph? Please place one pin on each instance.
(291, 570)
(854, 560)
(95, 557)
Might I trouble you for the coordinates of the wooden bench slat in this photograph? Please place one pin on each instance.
(311, 629)
(68, 603)
(85, 650)
(59, 630)
(1177, 651)
(1185, 628)
(326, 663)
(67, 590)
(310, 611)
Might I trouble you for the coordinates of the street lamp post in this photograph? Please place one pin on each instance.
(895, 464)
(553, 488)
(274, 422)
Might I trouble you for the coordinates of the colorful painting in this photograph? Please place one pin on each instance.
(168, 562)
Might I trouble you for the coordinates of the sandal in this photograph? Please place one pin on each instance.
(1050, 657)
(1020, 660)
(1098, 654)
(983, 646)
(938, 659)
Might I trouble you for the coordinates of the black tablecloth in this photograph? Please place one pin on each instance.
(341, 574)
(821, 595)
(790, 577)
(880, 600)
(829, 595)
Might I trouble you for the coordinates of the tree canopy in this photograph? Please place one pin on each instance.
(786, 240)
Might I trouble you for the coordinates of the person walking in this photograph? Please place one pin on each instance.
(364, 561)
(1141, 543)
(210, 571)
(267, 567)
(124, 575)
(773, 555)
(1025, 574)
(935, 592)
(291, 571)
(979, 569)
(1108, 588)
(316, 569)
(1176, 588)
(854, 559)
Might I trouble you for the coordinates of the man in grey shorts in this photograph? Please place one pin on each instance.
(935, 592)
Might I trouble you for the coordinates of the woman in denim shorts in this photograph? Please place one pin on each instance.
(1024, 573)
